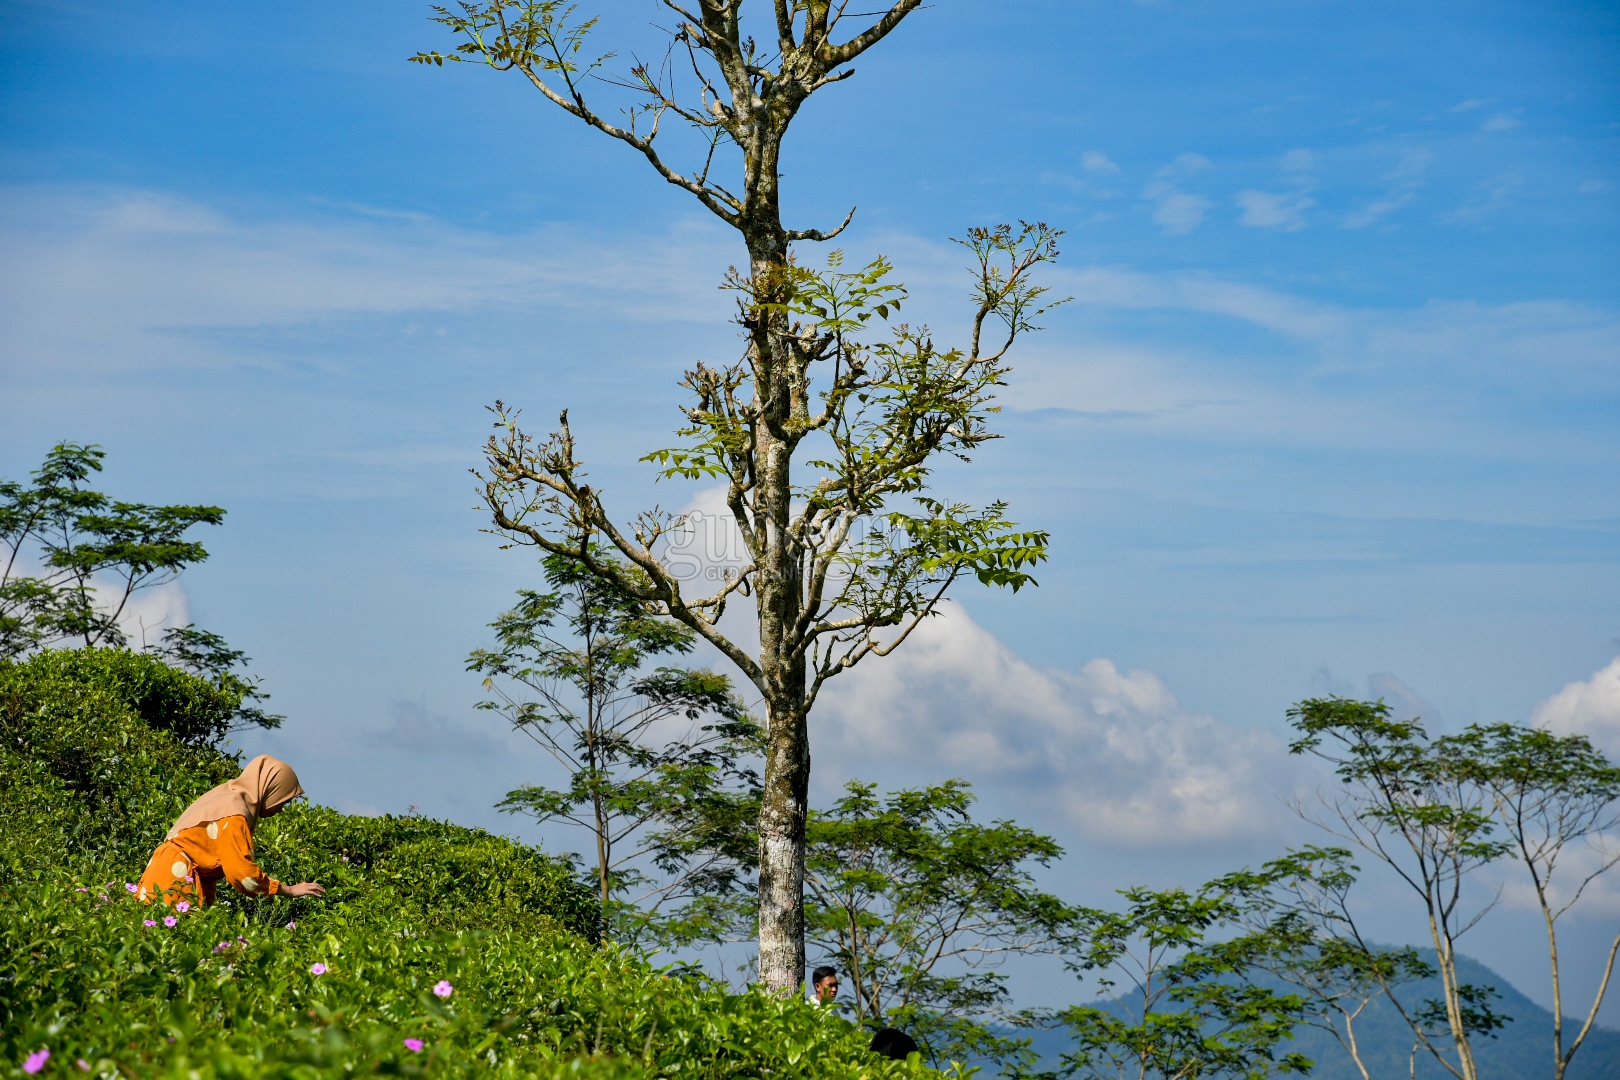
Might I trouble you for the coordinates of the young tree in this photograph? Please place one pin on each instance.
(656, 759)
(916, 902)
(95, 553)
(1319, 950)
(1179, 969)
(1549, 792)
(1409, 807)
(827, 588)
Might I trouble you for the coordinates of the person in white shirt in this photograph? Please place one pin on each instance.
(824, 985)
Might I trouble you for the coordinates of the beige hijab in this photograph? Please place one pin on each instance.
(265, 784)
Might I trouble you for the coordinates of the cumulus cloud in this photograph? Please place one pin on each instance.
(1590, 707)
(1267, 210)
(1111, 753)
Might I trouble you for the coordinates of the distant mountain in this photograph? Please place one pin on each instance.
(1521, 1051)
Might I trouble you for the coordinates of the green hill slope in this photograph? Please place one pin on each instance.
(438, 950)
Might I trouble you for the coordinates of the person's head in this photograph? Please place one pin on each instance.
(271, 783)
(893, 1044)
(824, 981)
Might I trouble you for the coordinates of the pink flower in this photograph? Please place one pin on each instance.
(293, 925)
(414, 1045)
(317, 969)
(444, 989)
(222, 946)
(183, 906)
(129, 886)
(84, 1066)
(75, 890)
(169, 920)
(36, 1061)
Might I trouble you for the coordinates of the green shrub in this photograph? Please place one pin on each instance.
(97, 984)
(88, 786)
(445, 877)
(82, 772)
(192, 709)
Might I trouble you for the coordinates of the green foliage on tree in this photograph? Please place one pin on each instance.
(93, 553)
(657, 760)
(1319, 949)
(1553, 795)
(916, 903)
(825, 431)
(1179, 971)
(1315, 950)
(1434, 810)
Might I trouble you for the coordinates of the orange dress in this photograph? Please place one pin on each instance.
(189, 866)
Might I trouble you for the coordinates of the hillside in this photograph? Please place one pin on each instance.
(438, 949)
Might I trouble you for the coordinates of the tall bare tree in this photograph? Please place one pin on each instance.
(828, 589)
(1405, 804)
(1552, 794)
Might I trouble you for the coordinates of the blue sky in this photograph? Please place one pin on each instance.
(1336, 407)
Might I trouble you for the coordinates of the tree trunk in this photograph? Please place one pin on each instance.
(778, 593)
(781, 852)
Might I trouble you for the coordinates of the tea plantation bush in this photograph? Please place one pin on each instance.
(439, 950)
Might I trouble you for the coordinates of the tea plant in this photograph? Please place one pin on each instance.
(438, 950)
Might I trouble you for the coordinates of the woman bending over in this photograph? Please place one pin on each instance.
(213, 840)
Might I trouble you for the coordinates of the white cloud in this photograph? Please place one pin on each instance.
(1343, 363)
(1590, 707)
(1501, 122)
(146, 613)
(1266, 210)
(1113, 754)
(151, 611)
(120, 279)
(1092, 161)
(1178, 212)
(1470, 105)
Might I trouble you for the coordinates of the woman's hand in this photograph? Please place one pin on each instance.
(304, 888)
